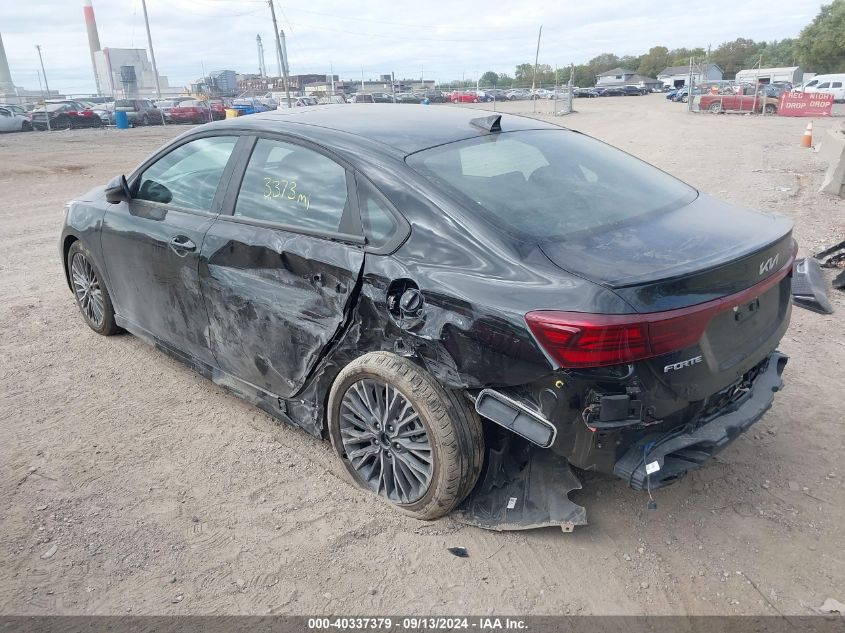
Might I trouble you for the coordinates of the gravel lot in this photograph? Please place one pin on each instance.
(130, 484)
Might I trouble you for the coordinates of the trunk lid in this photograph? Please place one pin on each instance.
(668, 260)
(707, 256)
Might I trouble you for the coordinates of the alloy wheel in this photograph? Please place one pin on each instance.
(86, 287)
(385, 441)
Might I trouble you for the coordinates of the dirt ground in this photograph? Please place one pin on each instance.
(130, 484)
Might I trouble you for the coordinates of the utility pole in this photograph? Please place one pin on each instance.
(362, 79)
(536, 58)
(393, 85)
(152, 53)
(282, 64)
(46, 114)
(43, 73)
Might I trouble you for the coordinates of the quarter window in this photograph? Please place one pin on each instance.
(292, 185)
(188, 176)
(379, 224)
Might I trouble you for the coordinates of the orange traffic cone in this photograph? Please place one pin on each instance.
(807, 139)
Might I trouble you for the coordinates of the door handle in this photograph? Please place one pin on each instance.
(182, 245)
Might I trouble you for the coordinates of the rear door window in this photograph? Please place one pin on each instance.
(188, 176)
(295, 186)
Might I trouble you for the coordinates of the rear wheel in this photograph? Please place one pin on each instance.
(403, 436)
(770, 108)
(26, 126)
(90, 292)
(62, 123)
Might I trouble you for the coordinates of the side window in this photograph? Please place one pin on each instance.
(188, 176)
(836, 84)
(379, 223)
(291, 184)
(826, 84)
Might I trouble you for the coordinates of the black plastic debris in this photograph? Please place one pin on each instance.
(839, 281)
(460, 552)
(831, 257)
(808, 286)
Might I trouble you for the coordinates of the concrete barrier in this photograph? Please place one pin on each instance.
(833, 151)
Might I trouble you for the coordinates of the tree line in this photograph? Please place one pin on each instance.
(819, 48)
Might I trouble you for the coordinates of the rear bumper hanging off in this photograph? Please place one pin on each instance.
(679, 451)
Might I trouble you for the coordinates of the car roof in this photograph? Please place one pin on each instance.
(406, 129)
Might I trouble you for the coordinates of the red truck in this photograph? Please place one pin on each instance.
(747, 99)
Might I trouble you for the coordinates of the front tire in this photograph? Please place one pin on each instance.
(715, 107)
(89, 290)
(400, 434)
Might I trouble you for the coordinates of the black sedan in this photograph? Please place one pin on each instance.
(464, 303)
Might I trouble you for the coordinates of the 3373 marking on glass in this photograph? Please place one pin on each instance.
(285, 189)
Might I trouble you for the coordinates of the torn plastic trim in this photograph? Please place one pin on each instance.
(516, 417)
(808, 286)
(657, 460)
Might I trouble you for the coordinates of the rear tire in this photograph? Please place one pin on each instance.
(89, 290)
(770, 108)
(26, 126)
(440, 422)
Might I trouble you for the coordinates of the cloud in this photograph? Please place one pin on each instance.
(441, 39)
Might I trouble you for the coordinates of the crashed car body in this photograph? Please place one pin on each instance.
(447, 297)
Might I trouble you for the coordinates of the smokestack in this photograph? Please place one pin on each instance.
(6, 85)
(93, 39)
(262, 69)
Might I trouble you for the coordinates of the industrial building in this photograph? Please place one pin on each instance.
(618, 77)
(792, 74)
(678, 76)
(127, 72)
(121, 72)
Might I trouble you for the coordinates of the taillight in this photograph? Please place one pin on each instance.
(575, 339)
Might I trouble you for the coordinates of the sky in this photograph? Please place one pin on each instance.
(441, 39)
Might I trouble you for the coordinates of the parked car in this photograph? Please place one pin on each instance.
(634, 91)
(362, 97)
(191, 111)
(613, 91)
(830, 83)
(586, 93)
(332, 100)
(407, 97)
(749, 99)
(562, 93)
(518, 94)
(463, 97)
(670, 95)
(247, 105)
(592, 335)
(497, 94)
(433, 96)
(14, 119)
(64, 115)
(139, 111)
(165, 105)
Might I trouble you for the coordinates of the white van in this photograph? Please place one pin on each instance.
(832, 84)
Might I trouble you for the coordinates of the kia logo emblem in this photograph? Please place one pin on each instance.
(769, 264)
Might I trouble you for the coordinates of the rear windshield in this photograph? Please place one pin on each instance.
(546, 184)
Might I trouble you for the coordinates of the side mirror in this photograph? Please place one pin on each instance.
(118, 190)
